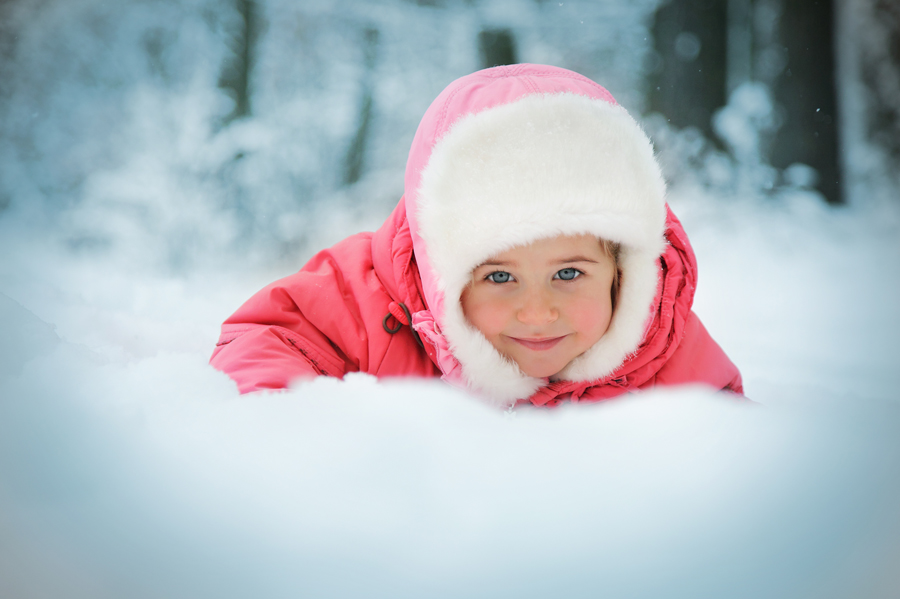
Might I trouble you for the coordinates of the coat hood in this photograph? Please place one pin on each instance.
(509, 155)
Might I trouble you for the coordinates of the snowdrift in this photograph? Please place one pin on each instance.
(128, 467)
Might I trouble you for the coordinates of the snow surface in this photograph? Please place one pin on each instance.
(128, 467)
(131, 225)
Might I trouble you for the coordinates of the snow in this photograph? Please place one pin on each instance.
(130, 468)
(350, 488)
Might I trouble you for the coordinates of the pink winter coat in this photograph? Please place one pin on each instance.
(336, 315)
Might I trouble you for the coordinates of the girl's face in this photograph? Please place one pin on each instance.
(543, 304)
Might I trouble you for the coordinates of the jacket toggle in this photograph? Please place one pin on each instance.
(400, 313)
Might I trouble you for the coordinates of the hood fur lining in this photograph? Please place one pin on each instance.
(545, 165)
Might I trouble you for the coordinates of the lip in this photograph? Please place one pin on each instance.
(539, 344)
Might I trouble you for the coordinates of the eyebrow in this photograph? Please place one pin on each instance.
(562, 261)
(577, 259)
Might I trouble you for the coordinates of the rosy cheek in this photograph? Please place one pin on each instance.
(489, 317)
(590, 316)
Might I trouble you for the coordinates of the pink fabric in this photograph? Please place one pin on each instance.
(328, 318)
(437, 348)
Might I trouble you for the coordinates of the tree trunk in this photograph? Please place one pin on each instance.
(806, 90)
(689, 84)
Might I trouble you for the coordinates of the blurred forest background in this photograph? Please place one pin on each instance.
(178, 131)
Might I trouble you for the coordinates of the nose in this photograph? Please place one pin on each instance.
(537, 308)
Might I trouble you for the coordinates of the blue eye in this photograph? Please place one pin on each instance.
(567, 274)
(499, 277)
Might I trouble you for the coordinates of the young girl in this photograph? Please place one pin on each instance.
(532, 258)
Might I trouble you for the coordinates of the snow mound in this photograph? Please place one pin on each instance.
(152, 477)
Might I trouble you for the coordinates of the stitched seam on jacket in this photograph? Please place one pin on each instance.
(226, 338)
(328, 366)
(309, 352)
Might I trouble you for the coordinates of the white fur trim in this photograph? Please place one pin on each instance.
(545, 165)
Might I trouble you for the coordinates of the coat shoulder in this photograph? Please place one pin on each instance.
(699, 359)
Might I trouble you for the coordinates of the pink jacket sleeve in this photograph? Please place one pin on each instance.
(315, 322)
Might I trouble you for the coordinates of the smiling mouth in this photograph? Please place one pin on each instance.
(539, 344)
